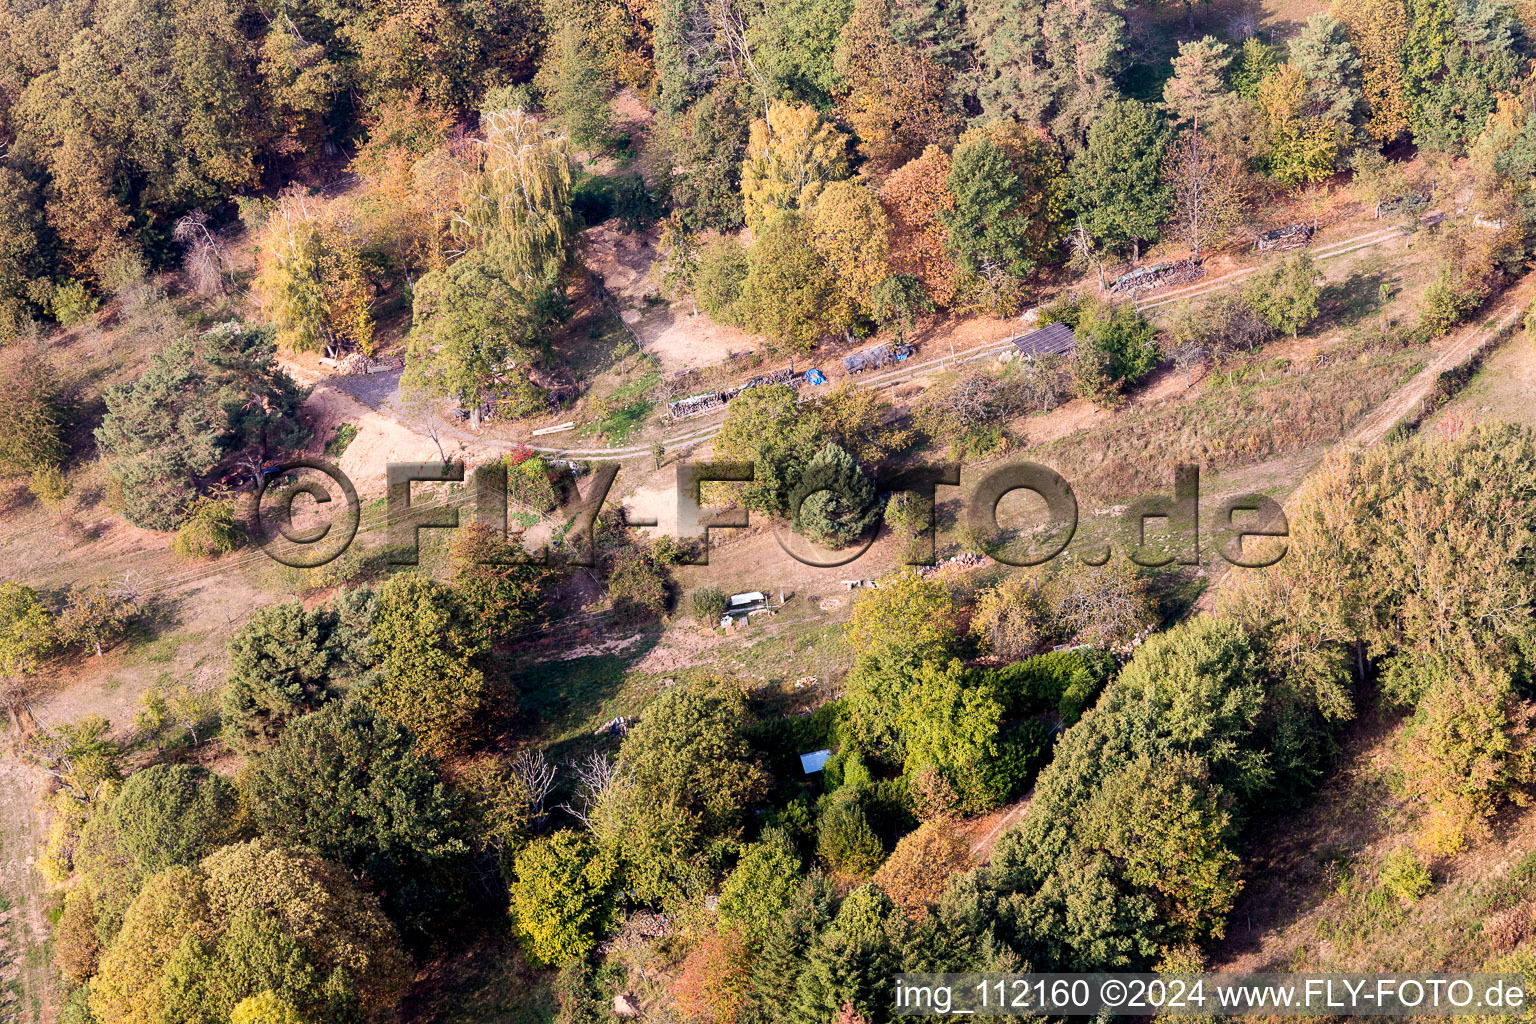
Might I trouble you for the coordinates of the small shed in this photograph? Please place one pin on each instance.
(751, 597)
(815, 761)
(1052, 339)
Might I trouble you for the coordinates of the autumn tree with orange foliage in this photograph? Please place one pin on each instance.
(712, 986)
(898, 97)
(413, 174)
(913, 198)
(848, 1015)
(915, 874)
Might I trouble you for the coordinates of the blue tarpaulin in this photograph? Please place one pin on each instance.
(815, 377)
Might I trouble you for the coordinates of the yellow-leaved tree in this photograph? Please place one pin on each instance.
(1379, 30)
(851, 229)
(311, 279)
(1303, 145)
(791, 157)
(520, 194)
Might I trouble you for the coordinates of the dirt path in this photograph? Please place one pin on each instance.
(29, 986)
(1374, 428)
(708, 426)
(986, 831)
(1467, 345)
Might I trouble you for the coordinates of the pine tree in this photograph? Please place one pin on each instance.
(1198, 80)
(834, 502)
(1116, 181)
(1051, 65)
(1008, 213)
(1322, 53)
(853, 959)
(778, 966)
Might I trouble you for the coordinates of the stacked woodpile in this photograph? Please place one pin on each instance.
(1292, 236)
(694, 405)
(1158, 275)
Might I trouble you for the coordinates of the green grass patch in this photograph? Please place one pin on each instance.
(627, 408)
(344, 435)
(572, 698)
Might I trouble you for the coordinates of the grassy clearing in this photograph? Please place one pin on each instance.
(1262, 408)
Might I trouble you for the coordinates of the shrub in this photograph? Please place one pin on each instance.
(708, 604)
(639, 585)
(950, 724)
(1404, 878)
(1060, 681)
(209, 530)
(48, 485)
(1021, 752)
(343, 436)
(528, 480)
(845, 842)
(350, 784)
(31, 417)
(1117, 348)
(499, 587)
(76, 949)
(266, 1008)
(1447, 303)
(561, 898)
(71, 303)
(931, 794)
(722, 273)
(908, 514)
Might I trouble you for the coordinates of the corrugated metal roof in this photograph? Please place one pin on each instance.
(1052, 339)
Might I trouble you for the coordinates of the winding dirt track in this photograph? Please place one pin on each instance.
(1375, 427)
(903, 372)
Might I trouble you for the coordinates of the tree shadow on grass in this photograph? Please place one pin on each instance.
(561, 703)
(1347, 303)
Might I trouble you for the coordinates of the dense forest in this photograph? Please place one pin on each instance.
(371, 794)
